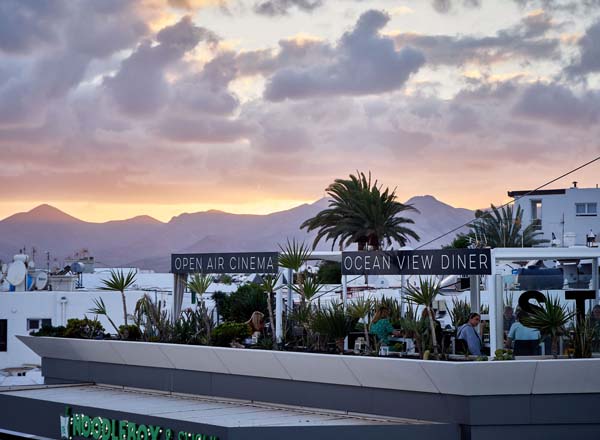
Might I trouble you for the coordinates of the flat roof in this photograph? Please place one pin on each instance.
(540, 192)
(200, 409)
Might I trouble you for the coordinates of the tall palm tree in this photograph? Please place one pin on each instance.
(423, 295)
(361, 211)
(502, 227)
(120, 282)
(198, 285)
(269, 285)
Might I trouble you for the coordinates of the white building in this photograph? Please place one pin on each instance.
(565, 216)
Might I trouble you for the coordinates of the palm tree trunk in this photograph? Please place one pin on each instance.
(554, 345)
(433, 335)
(124, 308)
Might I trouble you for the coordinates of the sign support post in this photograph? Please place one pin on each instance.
(279, 309)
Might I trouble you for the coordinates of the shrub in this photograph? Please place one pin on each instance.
(329, 273)
(130, 332)
(239, 305)
(227, 332)
(48, 330)
(84, 329)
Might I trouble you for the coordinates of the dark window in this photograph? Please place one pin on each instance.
(586, 209)
(36, 323)
(3, 334)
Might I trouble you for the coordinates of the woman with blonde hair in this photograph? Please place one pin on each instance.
(256, 323)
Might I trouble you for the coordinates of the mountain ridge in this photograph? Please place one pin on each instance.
(145, 242)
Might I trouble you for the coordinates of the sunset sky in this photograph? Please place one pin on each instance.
(111, 109)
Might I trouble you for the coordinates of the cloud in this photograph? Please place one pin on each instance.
(589, 56)
(363, 63)
(202, 130)
(140, 87)
(555, 103)
(445, 6)
(568, 6)
(524, 40)
(282, 7)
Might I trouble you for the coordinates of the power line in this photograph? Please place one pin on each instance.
(515, 199)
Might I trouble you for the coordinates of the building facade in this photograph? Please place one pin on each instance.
(565, 216)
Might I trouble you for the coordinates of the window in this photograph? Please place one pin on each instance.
(36, 324)
(586, 209)
(3, 335)
(536, 213)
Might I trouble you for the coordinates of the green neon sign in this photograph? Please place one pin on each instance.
(102, 428)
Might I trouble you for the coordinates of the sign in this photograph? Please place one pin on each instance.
(102, 428)
(251, 262)
(423, 262)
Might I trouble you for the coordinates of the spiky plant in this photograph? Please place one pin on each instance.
(198, 285)
(550, 319)
(361, 211)
(269, 285)
(334, 322)
(152, 318)
(460, 312)
(308, 288)
(120, 282)
(100, 309)
(361, 308)
(424, 294)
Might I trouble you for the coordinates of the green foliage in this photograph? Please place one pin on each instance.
(227, 332)
(152, 319)
(392, 304)
(333, 322)
(460, 312)
(84, 329)
(329, 272)
(48, 330)
(307, 288)
(119, 282)
(460, 241)
(100, 309)
(583, 338)
(361, 211)
(239, 305)
(503, 355)
(293, 255)
(550, 319)
(130, 332)
(503, 227)
(198, 285)
(424, 294)
(192, 328)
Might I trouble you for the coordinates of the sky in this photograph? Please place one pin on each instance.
(111, 109)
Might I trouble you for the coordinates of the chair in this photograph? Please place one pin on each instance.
(526, 348)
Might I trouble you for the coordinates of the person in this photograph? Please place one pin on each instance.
(590, 238)
(519, 333)
(257, 324)
(468, 333)
(509, 319)
(381, 325)
(595, 316)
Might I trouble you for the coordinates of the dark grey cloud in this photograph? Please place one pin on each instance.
(589, 56)
(26, 25)
(526, 40)
(140, 87)
(445, 6)
(363, 63)
(283, 7)
(558, 104)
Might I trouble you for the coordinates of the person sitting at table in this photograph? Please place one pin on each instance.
(524, 340)
(381, 325)
(509, 319)
(256, 323)
(469, 334)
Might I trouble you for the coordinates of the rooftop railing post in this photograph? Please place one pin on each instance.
(494, 288)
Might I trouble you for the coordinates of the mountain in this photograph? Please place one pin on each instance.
(147, 243)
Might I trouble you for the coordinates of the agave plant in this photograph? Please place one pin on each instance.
(424, 294)
(413, 326)
(153, 319)
(269, 285)
(334, 322)
(460, 312)
(198, 285)
(550, 319)
(308, 288)
(583, 337)
(362, 308)
(100, 309)
(120, 282)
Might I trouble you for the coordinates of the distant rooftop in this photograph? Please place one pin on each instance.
(541, 192)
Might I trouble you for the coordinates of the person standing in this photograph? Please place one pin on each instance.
(468, 333)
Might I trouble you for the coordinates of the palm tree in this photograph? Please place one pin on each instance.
(424, 295)
(501, 227)
(198, 285)
(119, 282)
(293, 255)
(269, 285)
(550, 320)
(361, 212)
(100, 309)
